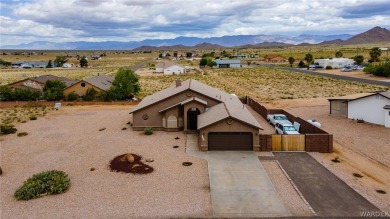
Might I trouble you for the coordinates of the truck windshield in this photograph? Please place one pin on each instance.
(289, 128)
(280, 118)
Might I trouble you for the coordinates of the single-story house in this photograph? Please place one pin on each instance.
(29, 64)
(100, 83)
(334, 62)
(370, 107)
(67, 65)
(227, 63)
(38, 82)
(220, 119)
(274, 58)
(169, 68)
(241, 56)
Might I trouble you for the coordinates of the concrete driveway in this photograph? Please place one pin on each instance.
(240, 187)
(326, 193)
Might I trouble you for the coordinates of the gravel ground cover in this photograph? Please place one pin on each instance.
(70, 140)
(285, 189)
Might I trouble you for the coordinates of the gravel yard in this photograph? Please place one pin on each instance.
(70, 140)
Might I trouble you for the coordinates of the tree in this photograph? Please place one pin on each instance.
(203, 62)
(338, 54)
(308, 59)
(358, 59)
(90, 94)
(375, 54)
(291, 60)
(301, 64)
(175, 54)
(211, 63)
(53, 90)
(83, 62)
(189, 54)
(160, 55)
(5, 63)
(125, 85)
(60, 60)
(49, 64)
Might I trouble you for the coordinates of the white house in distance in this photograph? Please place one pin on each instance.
(372, 108)
(334, 62)
(170, 68)
(227, 63)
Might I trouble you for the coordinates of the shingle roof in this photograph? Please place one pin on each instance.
(43, 78)
(231, 106)
(165, 65)
(351, 97)
(102, 81)
(385, 94)
(184, 102)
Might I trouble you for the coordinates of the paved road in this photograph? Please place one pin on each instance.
(342, 77)
(326, 193)
(239, 185)
(140, 65)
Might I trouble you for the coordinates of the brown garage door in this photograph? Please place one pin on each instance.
(230, 141)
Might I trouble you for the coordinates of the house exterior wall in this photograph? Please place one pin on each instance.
(370, 109)
(335, 63)
(235, 65)
(175, 69)
(155, 118)
(223, 126)
(159, 69)
(79, 90)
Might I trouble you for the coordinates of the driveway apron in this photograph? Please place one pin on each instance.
(240, 187)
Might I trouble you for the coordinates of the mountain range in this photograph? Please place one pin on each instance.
(374, 35)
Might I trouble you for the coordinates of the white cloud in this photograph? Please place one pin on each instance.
(125, 20)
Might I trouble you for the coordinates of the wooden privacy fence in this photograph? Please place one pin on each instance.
(288, 142)
(315, 139)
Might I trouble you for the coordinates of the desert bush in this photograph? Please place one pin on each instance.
(44, 183)
(33, 117)
(378, 70)
(90, 94)
(73, 96)
(21, 134)
(301, 64)
(328, 67)
(148, 131)
(7, 129)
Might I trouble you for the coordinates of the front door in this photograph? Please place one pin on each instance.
(192, 118)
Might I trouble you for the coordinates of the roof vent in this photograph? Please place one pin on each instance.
(178, 82)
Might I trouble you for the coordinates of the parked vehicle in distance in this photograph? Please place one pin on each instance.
(314, 122)
(315, 66)
(277, 118)
(346, 70)
(285, 129)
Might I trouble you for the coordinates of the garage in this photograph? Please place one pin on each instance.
(230, 141)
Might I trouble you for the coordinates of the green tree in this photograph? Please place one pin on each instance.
(308, 59)
(6, 93)
(160, 55)
(73, 96)
(49, 64)
(5, 63)
(375, 54)
(301, 64)
(125, 85)
(175, 54)
(358, 59)
(338, 54)
(90, 94)
(83, 62)
(291, 60)
(211, 63)
(203, 62)
(189, 54)
(53, 90)
(60, 60)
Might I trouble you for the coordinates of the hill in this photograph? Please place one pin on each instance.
(374, 35)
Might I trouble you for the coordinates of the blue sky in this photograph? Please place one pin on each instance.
(24, 21)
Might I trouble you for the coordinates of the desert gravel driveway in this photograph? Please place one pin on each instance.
(327, 194)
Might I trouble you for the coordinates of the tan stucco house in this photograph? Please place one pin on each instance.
(221, 120)
(99, 83)
(38, 83)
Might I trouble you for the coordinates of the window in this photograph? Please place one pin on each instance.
(82, 84)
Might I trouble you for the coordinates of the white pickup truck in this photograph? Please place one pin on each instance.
(277, 118)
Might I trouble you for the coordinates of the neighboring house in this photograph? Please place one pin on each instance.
(220, 119)
(99, 83)
(227, 63)
(67, 65)
(38, 82)
(30, 64)
(169, 68)
(274, 58)
(334, 62)
(241, 56)
(370, 107)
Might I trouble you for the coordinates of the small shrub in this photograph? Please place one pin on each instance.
(380, 191)
(186, 164)
(357, 175)
(336, 160)
(7, 129)
(33, 117)
(21, 134)
(148, 131)
(44, 183)
(102, 129)
(92, 169)
(328, 67)
(124, 128)
(73, 96)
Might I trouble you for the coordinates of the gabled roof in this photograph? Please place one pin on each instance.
(350, 97)
(385, 94)
(43, 78)
(102, 81)
(166, 64)
(230, 105)
(230, 108)
(185, 102)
